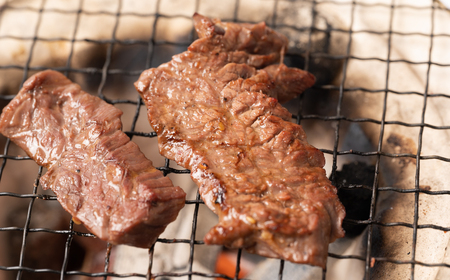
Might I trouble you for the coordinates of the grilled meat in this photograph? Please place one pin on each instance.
(99, 176)
(215, 111)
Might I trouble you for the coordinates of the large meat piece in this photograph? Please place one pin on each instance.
(215, 110)
(99, 176)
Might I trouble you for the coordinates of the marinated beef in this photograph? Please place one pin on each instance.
(215, 110)
(99, 176)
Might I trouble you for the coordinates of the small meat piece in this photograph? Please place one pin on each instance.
(99, 176)
(215, 111)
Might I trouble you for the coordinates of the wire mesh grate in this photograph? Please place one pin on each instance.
(99, 46)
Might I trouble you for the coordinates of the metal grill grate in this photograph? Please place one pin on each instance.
(103, 75)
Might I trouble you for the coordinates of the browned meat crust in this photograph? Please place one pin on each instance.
(99, 176)
(214, 111)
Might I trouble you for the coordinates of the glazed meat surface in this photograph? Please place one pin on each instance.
(215, 110)
(99, 176)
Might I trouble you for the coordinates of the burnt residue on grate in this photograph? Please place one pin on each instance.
(368, 74)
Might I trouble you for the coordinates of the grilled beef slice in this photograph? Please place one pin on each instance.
(99, 176)
(215, 110)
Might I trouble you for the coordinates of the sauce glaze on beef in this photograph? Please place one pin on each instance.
(99, 176)
(215, 110)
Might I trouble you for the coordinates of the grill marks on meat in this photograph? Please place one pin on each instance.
(99, 176)
(215, 110)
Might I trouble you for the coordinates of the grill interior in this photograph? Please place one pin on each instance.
(105, 45)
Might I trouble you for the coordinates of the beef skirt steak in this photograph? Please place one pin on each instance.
(99, 176)
(215, 110)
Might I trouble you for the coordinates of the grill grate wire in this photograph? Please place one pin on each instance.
(106, 71)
